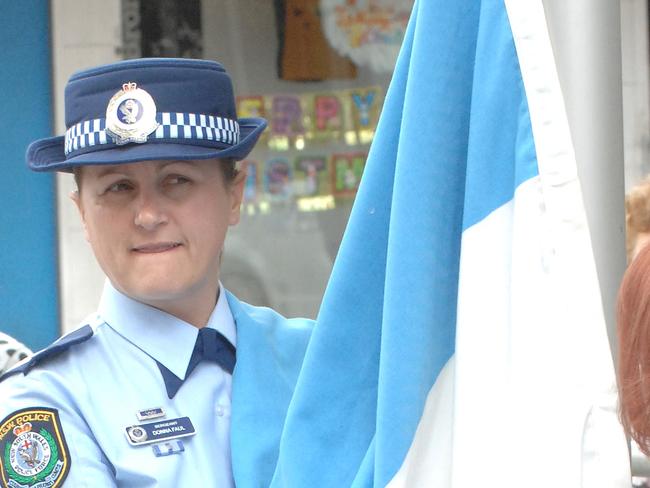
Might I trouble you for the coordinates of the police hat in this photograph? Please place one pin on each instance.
(147, 109)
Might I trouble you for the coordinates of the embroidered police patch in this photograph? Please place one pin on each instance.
(33, 451)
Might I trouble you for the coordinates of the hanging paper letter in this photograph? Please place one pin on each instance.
(328, 110)
(287, 115)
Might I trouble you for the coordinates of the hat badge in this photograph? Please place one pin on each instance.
(130, 115)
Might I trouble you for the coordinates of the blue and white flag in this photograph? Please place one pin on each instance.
(461, 339)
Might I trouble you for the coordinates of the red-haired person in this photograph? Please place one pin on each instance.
(633, 322)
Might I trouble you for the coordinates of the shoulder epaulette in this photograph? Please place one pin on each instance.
(76, 337)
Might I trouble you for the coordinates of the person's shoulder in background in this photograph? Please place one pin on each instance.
(11, 352)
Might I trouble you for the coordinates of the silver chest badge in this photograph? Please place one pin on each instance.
(130, 115)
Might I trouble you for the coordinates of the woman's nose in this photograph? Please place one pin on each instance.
(149, 212)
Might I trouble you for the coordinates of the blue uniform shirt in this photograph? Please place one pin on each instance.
(98, 386)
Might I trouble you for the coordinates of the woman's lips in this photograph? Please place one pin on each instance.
(155, 247)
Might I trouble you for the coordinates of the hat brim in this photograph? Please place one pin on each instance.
(48, 154)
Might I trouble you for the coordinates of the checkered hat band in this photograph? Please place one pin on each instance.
(172, 126)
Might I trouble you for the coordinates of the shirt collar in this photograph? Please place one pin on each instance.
(154, 331)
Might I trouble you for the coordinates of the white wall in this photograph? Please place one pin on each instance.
(84, 34)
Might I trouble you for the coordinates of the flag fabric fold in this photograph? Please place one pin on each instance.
(461, 340)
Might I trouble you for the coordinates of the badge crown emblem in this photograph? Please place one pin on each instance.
(21, 429)
(130, 86)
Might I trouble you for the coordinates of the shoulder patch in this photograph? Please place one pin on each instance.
(75, 337)
(33, 451)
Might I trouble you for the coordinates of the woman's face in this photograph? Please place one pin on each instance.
(157, 228)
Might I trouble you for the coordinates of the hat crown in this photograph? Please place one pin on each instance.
(176, 85)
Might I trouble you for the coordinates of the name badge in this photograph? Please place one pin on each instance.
(140, 435)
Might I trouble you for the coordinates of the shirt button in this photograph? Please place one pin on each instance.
(220, 410)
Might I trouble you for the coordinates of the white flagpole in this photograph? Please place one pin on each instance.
(586, 38)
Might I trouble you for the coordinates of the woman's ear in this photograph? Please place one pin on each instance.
(237, 195)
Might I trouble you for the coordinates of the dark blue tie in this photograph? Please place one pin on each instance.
(210, 345)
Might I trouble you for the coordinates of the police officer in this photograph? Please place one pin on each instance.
(173, 381)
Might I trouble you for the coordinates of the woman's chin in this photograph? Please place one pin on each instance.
(156, 291)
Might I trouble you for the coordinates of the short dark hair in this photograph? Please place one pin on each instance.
(228, 166)
(229, 170)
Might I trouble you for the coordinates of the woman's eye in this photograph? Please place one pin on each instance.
(177, 180)
(120, 186)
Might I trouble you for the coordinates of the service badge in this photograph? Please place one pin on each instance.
(130, 115)
(33, 451)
